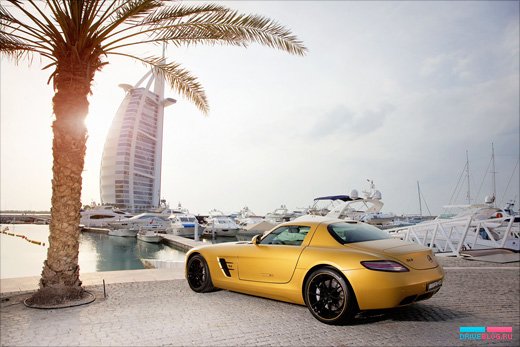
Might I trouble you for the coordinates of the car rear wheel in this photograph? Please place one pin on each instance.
(198, 275)
(329, 297)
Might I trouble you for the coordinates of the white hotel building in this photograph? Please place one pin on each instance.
(130, 176)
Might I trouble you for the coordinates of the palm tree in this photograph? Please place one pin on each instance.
(77, 37)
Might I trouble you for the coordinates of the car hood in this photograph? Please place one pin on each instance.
(410, 254)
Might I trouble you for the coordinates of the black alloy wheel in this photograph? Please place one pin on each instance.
(198, 275)
(329, 297)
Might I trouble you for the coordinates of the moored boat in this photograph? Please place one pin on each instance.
(123, 232)
(247, 221)
(99, 216)
(150, 236)
(364, 209)
(280, 215)
(184, 224)
(146, 219)
(219, 224)
(257, 228)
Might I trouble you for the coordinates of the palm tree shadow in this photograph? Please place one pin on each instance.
(412, 313)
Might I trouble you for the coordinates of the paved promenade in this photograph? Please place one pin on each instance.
(162, 310)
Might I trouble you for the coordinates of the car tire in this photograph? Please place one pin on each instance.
(198, 275)
(329, 297)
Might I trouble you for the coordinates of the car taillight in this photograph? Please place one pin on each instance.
(384, 265)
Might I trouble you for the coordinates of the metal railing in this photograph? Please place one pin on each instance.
(451, 236)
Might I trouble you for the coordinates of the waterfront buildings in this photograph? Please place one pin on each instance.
(130, 176)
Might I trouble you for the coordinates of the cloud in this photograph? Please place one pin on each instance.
(342, 121)
(450, 68)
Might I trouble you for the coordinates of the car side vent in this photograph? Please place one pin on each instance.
(224, 267)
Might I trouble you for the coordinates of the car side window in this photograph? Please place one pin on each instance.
(292, 235)
(351, 232)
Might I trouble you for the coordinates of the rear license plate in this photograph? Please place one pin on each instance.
(433, 285)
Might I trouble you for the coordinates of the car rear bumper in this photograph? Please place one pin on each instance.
(379, 290)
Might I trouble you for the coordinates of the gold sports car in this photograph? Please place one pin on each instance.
(334, 267)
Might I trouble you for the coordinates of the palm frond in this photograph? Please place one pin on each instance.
(170, 13)
(100, 14)
(14, 49)
(228, 25)
(14, 40)
(134, 10)
(129, 12)
(209, 25)
(5, 16)
(23, 33)
(90, 15)
(62, 15)
(46, 25)
(178, 78)
(166, 15)
(19, 40)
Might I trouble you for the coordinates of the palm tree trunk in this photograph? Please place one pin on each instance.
(60, 276)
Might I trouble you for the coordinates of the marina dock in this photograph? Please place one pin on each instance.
(178, 242)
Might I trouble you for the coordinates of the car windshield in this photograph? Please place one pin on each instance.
(356, 232)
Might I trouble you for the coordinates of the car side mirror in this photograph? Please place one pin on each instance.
(256, 240)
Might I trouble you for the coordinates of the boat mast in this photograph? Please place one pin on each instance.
(467, 176)
(419, 192)
(493, 173)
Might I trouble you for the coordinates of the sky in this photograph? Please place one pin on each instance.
(395, 92)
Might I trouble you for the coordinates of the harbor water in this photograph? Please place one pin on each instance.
(97, 252)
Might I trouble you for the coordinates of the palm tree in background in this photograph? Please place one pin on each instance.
(77, 37)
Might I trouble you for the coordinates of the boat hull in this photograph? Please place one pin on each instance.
(151, 238)
(187, 232)
(123, 232)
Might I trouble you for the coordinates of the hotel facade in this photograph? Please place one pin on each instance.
(130, 175)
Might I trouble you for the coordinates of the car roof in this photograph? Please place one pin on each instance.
(312, 219)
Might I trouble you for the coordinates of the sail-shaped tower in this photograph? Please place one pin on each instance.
(130, 176)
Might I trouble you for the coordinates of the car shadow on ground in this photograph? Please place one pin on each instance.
(413, 313)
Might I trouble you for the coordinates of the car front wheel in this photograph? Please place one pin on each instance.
(329, 297)
(198, 275)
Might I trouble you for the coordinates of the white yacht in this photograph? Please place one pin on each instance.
(476, 211)
(254, 227)
(146, 220)
(279, 215)
(244, 223)
(219, 224)
(165, 209)
(247, 217)
(151, 236)
(364, 209)
(123, 232)
(184, 224)
(250, 224)
(99, 216)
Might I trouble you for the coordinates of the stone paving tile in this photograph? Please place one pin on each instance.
(462, 262)
(168, 313)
